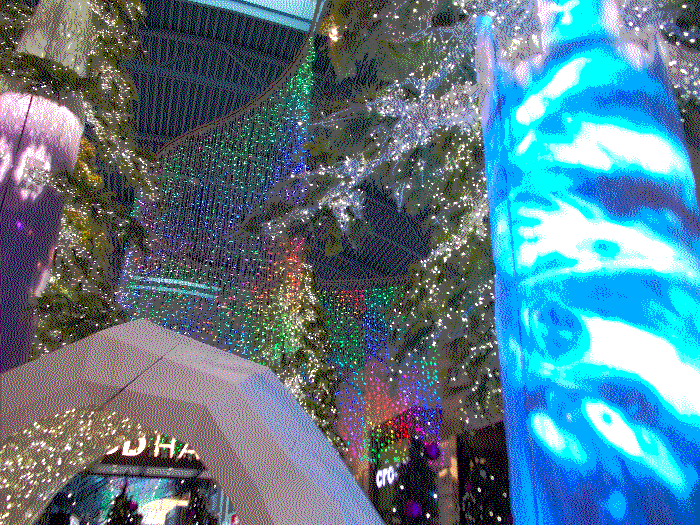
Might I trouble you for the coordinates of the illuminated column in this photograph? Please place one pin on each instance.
(39, 135)
(595, 230)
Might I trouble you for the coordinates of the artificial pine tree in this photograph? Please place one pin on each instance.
(196, 512)
(447, 304)
(124, 510)
(486, 491)
(80, 297)
(296, 348)
(487, 498)
(397, 135)
(416, 501)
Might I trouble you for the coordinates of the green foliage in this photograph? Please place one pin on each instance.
(366, 31)
(107, 90)
(686, 15)
(356, 32)
(79, 299)
(396, 61)
(14, 16)
(293, 342)
(67, 318)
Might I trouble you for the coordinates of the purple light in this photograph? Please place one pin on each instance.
(19, 225)
(413, 509)
(432, 450)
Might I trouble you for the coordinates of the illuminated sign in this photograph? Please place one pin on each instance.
(386, 476)
(157, 450)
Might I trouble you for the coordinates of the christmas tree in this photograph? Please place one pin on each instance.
(413, 132)
(124, 510)
(79, 298)
(196, 512)
(296, 348)
(484, 476)
(417, 499)
(486, 492)
(424, 82)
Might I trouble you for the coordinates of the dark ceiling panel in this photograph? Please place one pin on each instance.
(247, 32)
(271, 31)
(192, 78)
(205, 29)
(198, 18)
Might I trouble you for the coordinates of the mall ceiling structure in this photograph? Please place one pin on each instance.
(209, 58)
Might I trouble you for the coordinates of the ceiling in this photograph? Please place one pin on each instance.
(205, 62)
(208, 58)
(296, 14)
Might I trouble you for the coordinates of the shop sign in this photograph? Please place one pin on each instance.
(157, 450)
(386, 476)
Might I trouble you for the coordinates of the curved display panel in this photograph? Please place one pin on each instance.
(595, 236)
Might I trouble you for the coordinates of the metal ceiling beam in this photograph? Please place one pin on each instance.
(333, 269)
(190, 77)
(177, 58)
(208, 42)
(244, 67)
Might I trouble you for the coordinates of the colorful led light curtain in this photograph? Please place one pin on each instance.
(595, 238)
(203, 279)
(241, 294)
(359, 328)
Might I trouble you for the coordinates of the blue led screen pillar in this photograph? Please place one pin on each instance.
(595, 230)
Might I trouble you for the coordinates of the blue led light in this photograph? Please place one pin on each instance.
(595, 240)
(176, 281)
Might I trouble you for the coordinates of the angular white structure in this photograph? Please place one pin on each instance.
(266, 453)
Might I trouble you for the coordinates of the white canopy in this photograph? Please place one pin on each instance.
(266, 453)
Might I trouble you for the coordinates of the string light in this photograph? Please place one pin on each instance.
(211, 183)
(226, 290)
(41, 459)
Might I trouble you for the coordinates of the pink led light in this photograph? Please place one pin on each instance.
(50, 129)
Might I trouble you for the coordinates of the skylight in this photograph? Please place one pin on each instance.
(296, 14)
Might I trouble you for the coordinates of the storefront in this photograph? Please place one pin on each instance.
(161, 475)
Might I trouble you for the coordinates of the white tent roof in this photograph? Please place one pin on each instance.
(258, 443)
